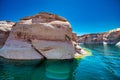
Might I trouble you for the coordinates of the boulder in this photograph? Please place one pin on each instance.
(44, 35)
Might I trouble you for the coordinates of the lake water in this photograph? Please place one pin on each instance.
(104, 64)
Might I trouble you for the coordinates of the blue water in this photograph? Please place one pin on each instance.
(104, 64)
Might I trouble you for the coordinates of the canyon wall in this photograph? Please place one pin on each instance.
(110, 37)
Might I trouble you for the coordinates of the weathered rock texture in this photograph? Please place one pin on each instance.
(42, 35)
(110, 37)
(5, 28)
(90, 38)
(74, 37)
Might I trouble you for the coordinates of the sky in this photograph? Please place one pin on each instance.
(85, 16)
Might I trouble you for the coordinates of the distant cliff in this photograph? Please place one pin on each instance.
(110, 37)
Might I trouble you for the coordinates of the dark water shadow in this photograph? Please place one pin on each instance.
(37, 69)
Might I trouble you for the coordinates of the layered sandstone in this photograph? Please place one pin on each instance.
(110, 37)
(44, 35)
(91, 38)
(5, 28)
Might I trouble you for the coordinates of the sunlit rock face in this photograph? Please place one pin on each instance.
(43, 35)
(54, 49)
(110, 37)
(5, 28)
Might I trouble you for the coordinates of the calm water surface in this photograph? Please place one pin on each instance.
(104, 64)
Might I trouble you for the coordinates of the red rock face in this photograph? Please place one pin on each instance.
(44, 17)
(44, 31)
(43, 26)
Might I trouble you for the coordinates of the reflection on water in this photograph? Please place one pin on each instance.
(105, 49)
(37, 70)
(58, 70)
(104, 64)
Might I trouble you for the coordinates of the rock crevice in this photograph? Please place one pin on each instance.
(38, 52)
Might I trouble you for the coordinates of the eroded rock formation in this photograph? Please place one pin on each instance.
(5, 28)
(44, 35)
(91, 38)
(110, 37)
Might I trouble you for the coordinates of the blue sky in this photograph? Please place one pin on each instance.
(85, 16)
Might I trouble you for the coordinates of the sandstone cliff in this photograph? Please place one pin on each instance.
(44, 35)
(110, 37)
(5, 28)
